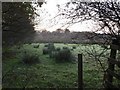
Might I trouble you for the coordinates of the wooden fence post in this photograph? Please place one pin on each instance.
(111, 65)
(80, 72)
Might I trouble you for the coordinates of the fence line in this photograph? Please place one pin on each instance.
(112, 63)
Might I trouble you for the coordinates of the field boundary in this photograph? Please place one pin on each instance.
(113, 64)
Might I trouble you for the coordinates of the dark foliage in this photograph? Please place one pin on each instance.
(28, 58)
(65, 48)
(36, 46)
(45, 50)
(17, 21)
(53, 54)
(74, 47)
(48, 49)
(46, 45)
(58, 49)
(64, 55)
(51, 47)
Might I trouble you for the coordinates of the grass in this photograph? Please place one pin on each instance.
(48, 73)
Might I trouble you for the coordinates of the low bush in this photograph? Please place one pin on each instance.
(46, 45)
(73, 47)
(19, 47)
(36, 46)
(65, 48)
(45, 50)
(53, 54)
(64, 55)
(51, 46)
(29, 58)
(48, 48)
(58, 49)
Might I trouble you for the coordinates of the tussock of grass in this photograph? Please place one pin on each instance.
(28, 58)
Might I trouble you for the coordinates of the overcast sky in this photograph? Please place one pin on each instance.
(49, 10)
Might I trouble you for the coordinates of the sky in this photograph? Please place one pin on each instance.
(49, 10)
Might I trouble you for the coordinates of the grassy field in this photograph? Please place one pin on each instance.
(49, 74)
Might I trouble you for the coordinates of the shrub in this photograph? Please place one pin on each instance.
(19, 47)
(45, 50)
(53, 54)
(46, 45)
(65, 48)
(51, 46)
(58, 49)
(29, 43)
(48, 48)
(63, 55)
(36, 46)
(73, 47)
(29, 58)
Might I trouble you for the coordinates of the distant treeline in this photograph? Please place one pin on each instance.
(60, 37)
(70, 37)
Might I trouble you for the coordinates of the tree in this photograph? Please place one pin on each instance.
(106, 13)
(17, 21)
(67, 30)
(59, 30)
